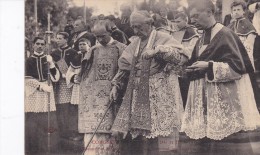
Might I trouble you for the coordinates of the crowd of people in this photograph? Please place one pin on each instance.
(151, 76)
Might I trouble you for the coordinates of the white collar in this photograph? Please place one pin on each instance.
(38, 54)
(111, 41)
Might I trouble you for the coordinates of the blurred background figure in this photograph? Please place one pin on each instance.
(27, 48)
(80, 31)
(160, 24)
(243, 27)
(93, 19)
(101, 17)
(116, 33)
(124, 23)
(69, 26)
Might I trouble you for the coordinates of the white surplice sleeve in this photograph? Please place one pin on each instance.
(221, 72)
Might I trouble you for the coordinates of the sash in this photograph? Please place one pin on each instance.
(141, 118)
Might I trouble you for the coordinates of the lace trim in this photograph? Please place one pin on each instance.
(38, 102)
(166, 106)
(221, 70)
(31, 86)
(223, 73)
(63, 93)
(248, 104)
(249, 48)
(217, 110)
(75, 94)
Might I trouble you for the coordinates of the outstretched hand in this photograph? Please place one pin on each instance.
(113, 94)
(199, 65)
(149, 53)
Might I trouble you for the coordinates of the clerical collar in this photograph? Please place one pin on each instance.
(239, 18)
(207, 34)
(65, 47)
(38, 54)
(114, 28)
(111, 41)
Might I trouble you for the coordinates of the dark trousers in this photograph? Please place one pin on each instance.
(36, 132)
(67, 115)
(184, 88)
(256, 88)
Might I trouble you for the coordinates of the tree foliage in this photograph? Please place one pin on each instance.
(74, 12)
(58, 10)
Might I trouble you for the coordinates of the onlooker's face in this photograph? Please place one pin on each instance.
(70, 22)
(141, 29)
(180, 23)
(78, 26)
(103, 39)
(163, 12)
(39, 46)
(173, 5)
(84, 46)
(93, 20)
(101, 17)
(237, 11)
(126, 12)
(199, 18)
(61, 41)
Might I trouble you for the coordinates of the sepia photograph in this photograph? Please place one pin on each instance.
(142, 77)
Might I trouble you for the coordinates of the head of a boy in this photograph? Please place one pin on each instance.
(238, 8)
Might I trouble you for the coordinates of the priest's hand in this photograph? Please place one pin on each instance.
(199, 65)
(45, 87)
(50, 61)
(115, 133)
(113, 94)
(161, 49)
(189, 70)
(148, 53)
(76, 79)
(49, 58)
(63, 76)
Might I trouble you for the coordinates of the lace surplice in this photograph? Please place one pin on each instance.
(219, 107)
(248, 42)
(35, 100)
